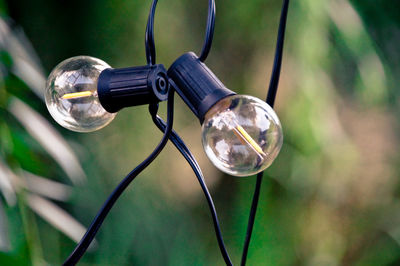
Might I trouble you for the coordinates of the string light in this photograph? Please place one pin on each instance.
(241, 134)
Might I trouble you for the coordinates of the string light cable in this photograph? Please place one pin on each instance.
(149, 38)
(174, 137)
(273, 88)
(109, 203)
(184, 150)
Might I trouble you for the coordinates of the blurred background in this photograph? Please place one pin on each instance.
(330, 198)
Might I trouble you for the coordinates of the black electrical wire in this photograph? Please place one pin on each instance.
(178, 142)
(180, 145)
(108, 204)
(209, 31)
(184, 150)
(149, 37)
(273, 88)
(252, 216)
(276, 70)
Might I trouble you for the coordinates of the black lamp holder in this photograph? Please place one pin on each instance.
(132, 86)
(196, 84)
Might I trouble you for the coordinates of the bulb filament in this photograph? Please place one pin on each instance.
(244, 136)
(76, 95)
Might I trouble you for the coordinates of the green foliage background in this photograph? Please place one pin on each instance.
(331, 197)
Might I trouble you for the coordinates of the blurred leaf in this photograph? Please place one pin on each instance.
(56, 217)
(5, 244)
(25, 63)
(46, 187)
(50, 139)
(6, 187)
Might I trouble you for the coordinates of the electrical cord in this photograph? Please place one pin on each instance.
(174, 137)
(276, 70)
(184, 150)
(109, 203)
(252, 215)
(180, 145)
(273, 88)
(209, 31)
(149, 36)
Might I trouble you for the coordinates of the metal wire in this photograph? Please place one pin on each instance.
(149, 36)
(109, 203)
(273, 88)
(184, 150)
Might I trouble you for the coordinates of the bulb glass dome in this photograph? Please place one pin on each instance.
(241, 135)
(71, 94)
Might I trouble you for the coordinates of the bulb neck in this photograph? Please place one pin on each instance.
(197, 84)
(132, 86)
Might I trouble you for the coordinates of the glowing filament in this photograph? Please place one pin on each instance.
(242, 134)
(76, 95)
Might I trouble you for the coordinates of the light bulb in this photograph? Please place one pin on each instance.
(71, 94)
(241, 135)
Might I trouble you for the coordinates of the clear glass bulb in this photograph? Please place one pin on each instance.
(241, 135)
(71, 94)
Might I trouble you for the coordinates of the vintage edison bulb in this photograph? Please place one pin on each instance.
(241, 135)
(71, 94)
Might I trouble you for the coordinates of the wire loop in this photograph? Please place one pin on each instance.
(149, 36)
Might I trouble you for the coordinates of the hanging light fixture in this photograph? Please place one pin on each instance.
(241, 134)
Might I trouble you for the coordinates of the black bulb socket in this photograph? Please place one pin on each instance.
(196, 84)
(132, 86)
